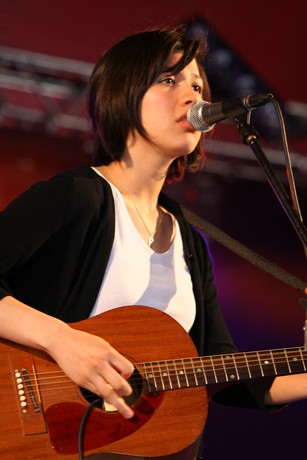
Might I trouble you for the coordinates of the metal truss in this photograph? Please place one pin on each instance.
(49, 93)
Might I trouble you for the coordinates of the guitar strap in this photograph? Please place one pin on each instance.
(235, 246)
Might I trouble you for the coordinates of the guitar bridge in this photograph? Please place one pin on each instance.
(27, 393)
(24, 381)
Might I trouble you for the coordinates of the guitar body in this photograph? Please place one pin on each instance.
(167, 424)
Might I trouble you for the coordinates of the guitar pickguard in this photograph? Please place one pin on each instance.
(102, 428)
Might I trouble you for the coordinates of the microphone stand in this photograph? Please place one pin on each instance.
(250, 137)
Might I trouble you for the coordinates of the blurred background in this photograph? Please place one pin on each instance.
(47, 52)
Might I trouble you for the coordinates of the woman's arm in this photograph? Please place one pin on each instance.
(287, 389)
(86, 359)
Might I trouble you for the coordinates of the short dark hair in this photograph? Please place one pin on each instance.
(119, 81)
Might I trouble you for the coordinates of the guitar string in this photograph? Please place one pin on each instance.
(162, 368)
(188, 366)
(163, 372)
(49, 394)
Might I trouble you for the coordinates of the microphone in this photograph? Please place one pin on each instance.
(203, 115)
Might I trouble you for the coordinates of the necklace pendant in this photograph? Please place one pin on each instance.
(150, 241)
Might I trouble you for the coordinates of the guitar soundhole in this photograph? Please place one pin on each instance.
(136, 383)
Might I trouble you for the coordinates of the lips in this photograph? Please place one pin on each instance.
(182, 117)
(182, 120)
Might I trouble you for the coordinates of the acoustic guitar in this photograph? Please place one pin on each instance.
(44, 415)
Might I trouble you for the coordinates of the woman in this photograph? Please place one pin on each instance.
(67, 242)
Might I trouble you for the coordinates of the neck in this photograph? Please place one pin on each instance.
(141, 183)
(140, 192)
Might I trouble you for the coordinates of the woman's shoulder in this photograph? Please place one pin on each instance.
(80, 175)
(73, 183)
(83, 187)
(72, 192)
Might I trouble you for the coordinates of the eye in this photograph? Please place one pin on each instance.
(168, 81)
(197, 88)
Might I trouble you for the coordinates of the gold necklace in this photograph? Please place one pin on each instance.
(151, 235)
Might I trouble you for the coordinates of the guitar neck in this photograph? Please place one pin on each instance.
(206, 370)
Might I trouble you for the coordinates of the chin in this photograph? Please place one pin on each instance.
(186, 149)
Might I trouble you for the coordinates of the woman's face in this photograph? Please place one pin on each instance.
(164, 109)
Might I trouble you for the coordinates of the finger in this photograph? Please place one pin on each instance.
(110, 386)
(122, 365)
(105, 391)
(111, 397)
(117, 382)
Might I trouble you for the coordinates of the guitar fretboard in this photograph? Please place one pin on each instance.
(200, 371)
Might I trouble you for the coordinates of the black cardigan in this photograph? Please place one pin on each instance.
(55, 242)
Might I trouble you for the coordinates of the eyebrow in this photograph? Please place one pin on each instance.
(170, 70)
(196, 76)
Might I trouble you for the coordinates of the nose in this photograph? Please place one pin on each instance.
(190, 96)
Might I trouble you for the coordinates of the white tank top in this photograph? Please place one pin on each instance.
(137, 275)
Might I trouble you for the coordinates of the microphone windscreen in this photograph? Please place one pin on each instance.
(195, 118)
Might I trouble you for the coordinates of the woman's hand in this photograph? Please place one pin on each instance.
(91, 362)
(88, 360)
